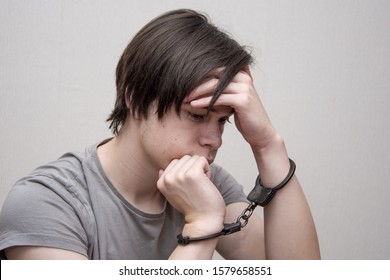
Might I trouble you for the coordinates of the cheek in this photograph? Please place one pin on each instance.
(178, 143)
(163, 143)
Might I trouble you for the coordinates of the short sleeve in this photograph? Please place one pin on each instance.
(41, 212)
(230, 189)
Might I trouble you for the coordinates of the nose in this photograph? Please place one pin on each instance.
(211, 135)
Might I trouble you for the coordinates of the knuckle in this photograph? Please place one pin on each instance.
(190, 176)
(169, 179)
(185, 157)
(160, 184)
(247, 87)
(246, 100)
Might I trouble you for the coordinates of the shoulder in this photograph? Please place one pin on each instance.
(62, 181)
(50, 207)
(59, 187)
(66, 171)
(57, 182)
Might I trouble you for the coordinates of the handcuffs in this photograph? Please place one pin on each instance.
(259, 196)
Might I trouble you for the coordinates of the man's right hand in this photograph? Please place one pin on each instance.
(186, 185)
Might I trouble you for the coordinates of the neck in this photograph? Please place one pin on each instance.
(130, 172)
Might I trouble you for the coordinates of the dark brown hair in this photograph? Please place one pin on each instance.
(168, 58)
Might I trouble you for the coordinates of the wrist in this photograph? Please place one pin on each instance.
(204, 249)
(202, 228)
(272, 161)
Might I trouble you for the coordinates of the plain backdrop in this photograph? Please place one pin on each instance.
(322, 70)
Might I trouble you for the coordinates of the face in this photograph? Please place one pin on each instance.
(192, 132)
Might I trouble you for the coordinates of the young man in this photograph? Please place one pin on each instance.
(178, 82)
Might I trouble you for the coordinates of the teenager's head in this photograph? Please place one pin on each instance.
(167, 59)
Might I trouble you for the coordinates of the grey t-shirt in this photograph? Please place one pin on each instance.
(70, 204)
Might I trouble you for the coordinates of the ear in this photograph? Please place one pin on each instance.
(127, 99)
(128, 105)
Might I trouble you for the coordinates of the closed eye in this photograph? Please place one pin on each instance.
(196, 117)
(224, 120)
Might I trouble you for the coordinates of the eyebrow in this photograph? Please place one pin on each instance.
(206, 109)
(228, 114)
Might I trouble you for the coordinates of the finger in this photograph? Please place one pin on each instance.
(238, 102)
(170, 166)
(176, 164)
(187, 167)
(203, 163)
(233, 92)
(179, 167)
(202, 102)
(243, 76)
(168, 176)
(199, 164)
(193, 166)
(206, 88)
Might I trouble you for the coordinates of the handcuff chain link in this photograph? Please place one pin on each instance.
(246, 214)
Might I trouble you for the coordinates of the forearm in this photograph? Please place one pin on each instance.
(289, 228)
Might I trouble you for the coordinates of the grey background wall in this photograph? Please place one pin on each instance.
(322, 70)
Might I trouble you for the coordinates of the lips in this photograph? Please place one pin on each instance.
(211, 157)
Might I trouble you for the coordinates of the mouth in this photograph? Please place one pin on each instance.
(211, 158)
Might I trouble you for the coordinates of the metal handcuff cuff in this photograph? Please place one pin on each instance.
(258, 196)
